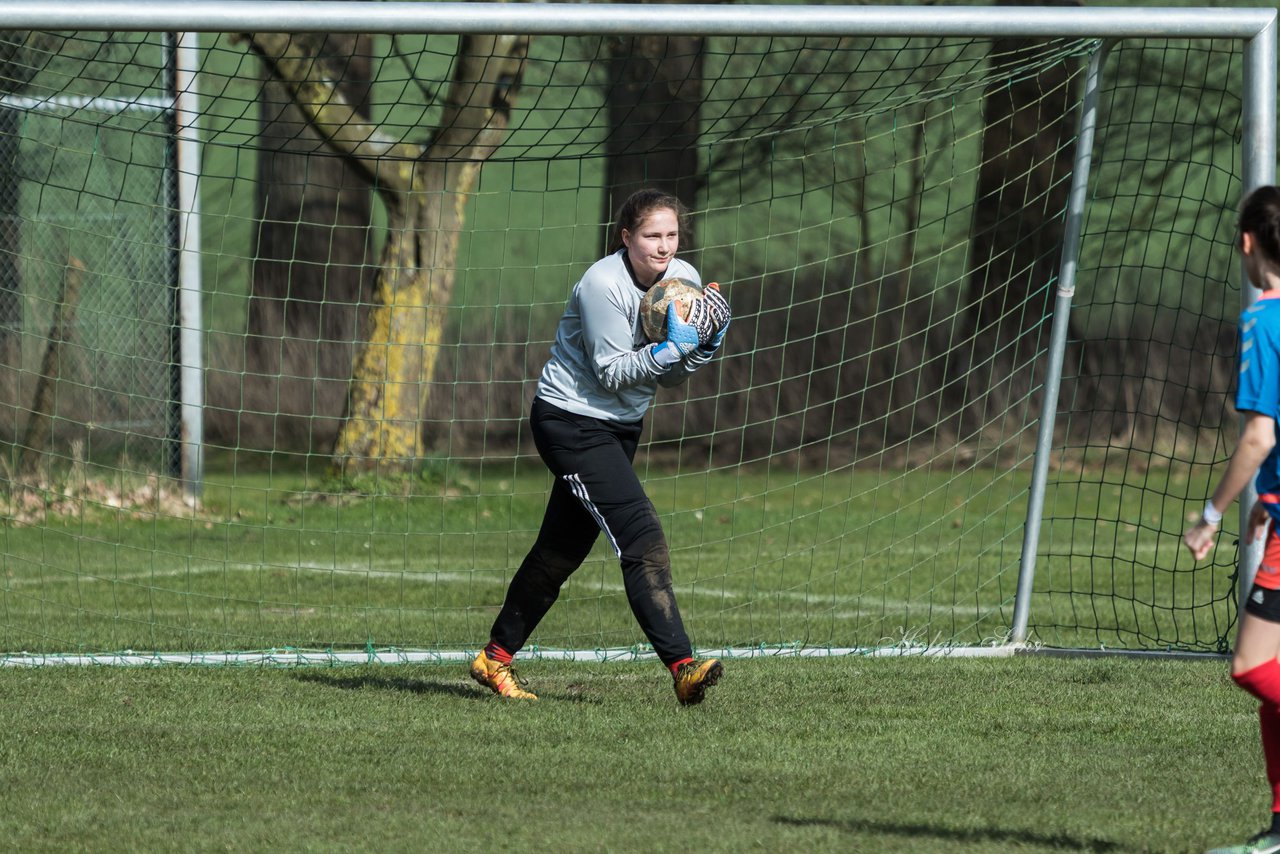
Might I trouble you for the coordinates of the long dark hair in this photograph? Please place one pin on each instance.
(639, 205)
(1260, 216)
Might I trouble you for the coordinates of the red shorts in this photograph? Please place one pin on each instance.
(1269, 571)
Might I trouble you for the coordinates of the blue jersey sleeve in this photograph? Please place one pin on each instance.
(1259, 388)
(1259, 384)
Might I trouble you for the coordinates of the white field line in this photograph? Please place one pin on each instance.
(302, 657)
(490, 577)
(298, 657)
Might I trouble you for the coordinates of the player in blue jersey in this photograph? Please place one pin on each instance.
(1254, 664)
(586, 418)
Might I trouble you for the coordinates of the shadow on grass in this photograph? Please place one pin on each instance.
(1059, 841)
(448, 688)
(387, 683)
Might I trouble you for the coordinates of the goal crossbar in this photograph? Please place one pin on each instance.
(610, 19)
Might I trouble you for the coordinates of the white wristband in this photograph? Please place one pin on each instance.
(1210, 516)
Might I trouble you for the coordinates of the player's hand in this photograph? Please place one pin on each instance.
(1259, 521)
(700, 318)
(1199, 538)
(714, 344)
(717, 305)
(682, 336)
(718, 308)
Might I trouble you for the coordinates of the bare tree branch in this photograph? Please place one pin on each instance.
(294, 59)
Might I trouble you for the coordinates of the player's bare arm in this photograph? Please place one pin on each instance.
(1256, 441)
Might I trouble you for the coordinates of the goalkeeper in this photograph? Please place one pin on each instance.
(586, 420)
(1254, 666)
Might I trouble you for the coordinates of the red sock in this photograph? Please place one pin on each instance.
(497, 653)
(1262, 682)
(675, 665)
(1269, 719)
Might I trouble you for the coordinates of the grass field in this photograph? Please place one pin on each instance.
(771, 556)
(790, 754)
(844, 754)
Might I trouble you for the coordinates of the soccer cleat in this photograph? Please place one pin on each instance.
(1265, 842)
(693, 678)
(499, 678)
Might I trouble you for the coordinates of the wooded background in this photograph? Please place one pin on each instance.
(886, 217)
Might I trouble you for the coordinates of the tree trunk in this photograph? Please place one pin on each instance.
(654, 98)
(309, 270)
(10, 238)
(22, 55)
(1023, 185)
(425, 191)
(35, 439)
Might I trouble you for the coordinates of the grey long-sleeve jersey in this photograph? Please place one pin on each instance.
(601, 365)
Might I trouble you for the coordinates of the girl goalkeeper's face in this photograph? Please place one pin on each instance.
(653, 244)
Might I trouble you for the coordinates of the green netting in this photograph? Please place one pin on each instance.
(886, 216)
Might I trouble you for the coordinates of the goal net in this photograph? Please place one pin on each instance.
(403, 215)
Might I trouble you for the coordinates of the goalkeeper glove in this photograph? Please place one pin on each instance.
(714, 344)
(701, 319)
(717, 306)
(682, 337)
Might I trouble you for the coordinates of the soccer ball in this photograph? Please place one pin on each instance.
(653, 306)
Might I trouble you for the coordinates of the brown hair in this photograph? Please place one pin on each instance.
(639, 205)
(1260, 216)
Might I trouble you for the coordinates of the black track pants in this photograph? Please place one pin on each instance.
(595, 490)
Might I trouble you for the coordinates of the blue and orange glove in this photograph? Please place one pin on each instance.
(682, 335)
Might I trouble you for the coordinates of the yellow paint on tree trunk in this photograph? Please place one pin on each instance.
(425, 191)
